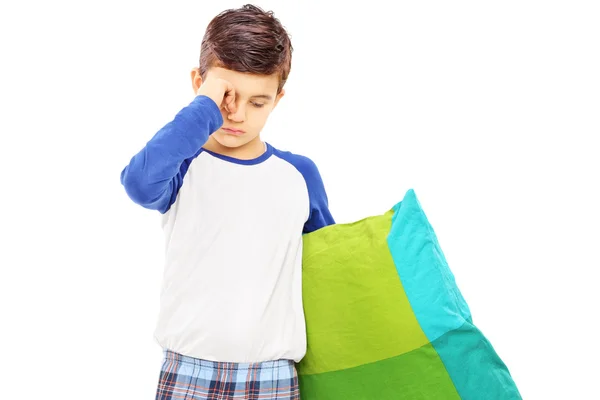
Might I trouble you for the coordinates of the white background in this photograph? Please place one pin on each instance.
(488, 110)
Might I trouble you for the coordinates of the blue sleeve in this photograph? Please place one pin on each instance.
(154, 175)
(319, 216)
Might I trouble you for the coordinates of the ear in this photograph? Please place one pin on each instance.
(196, 79)
(278, 97)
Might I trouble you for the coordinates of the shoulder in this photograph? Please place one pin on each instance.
(303, 164)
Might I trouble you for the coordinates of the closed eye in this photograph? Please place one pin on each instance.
(257, 105)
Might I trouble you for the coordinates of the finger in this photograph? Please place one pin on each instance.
(230, 105)
(230, 98)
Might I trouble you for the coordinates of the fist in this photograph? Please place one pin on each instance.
(220, 91)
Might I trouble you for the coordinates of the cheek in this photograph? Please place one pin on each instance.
(259, 116)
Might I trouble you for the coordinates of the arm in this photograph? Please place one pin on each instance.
(320, 215)
(154, 175)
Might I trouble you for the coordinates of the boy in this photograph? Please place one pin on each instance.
(231, 320)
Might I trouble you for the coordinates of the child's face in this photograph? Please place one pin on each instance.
(256, 97)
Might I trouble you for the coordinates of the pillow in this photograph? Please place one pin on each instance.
(385, 319)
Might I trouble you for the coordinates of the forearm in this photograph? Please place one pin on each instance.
(149, 177)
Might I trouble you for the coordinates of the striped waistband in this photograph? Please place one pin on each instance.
(219, 365)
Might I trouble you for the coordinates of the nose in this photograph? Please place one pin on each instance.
(239, 115)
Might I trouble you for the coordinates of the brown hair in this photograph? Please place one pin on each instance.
(247, 39)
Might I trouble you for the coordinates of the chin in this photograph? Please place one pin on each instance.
(231, 141)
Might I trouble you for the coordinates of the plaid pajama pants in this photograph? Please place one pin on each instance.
(187, 378)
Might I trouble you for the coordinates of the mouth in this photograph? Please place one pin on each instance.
(232, 131)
